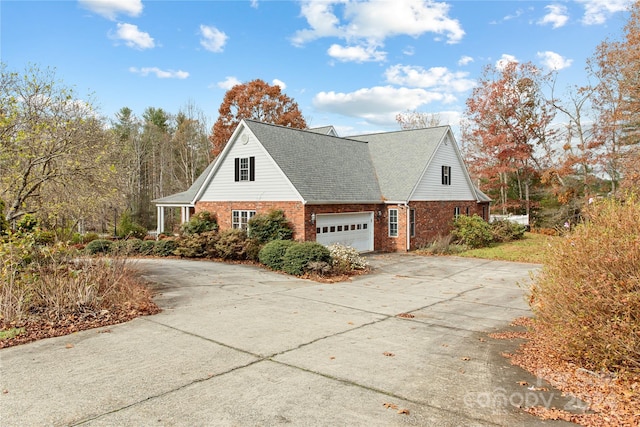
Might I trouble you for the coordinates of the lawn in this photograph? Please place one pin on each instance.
(529, 249)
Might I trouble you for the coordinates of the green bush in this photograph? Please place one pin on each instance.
(586, 300)
(165, 247)
(506, 231)
(147, 247)
(199, 223)
(84, 238)
(270, 226)
(98, 246)
(201, 245)
(253, 248)
(231, 244)
(472, 231)
(27, 224)
(129, 228)
(272, 253)
(298, 256)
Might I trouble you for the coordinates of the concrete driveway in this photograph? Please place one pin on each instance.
(238, 345)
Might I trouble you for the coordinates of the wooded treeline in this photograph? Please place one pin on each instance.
(531, 146)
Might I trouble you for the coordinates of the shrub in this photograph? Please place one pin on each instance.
(201, 245)
(272, 253)
(199, 223)
(586, 300)
(298, 256)
(506, 231)
(147, 247)
(129, 228)
(472, 231)
(165, 247)
(231, 244)
(270, 226)
(443, 245)
(84, 238)
(252, 248)
(27, 224)
(98, 246)
(345, 259)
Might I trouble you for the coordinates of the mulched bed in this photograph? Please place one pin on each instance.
(612, 400)
(39, 327)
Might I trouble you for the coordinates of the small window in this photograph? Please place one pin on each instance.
(240, 219)
(245, 169)
(456, 212)
(332, 229)
(346, 227)
(364, 226)
(318, 230)
(353, 226)
(467, 211)
(339, 228)
(412, 222)
(393, 222)
(446, 175)
(325, 229)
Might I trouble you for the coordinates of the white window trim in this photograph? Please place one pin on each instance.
(393, 225)
(241, 222)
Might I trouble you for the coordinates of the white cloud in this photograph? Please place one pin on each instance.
(465, 60)
(133, 37)
(409, 51)
(212, 39)
(597, 11)
(366, 24)
(356, 53)
(557, 16)
(278, 82)
(505, 60)
(111, 8)
(161, 74)
(439, 78)
(229, 82)
(254, 4)
(554, 61)
(378, 105)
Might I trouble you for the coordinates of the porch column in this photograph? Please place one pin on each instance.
(160, 219)
(186, 214)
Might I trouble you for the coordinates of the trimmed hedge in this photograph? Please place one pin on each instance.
(299, 255)
(273, 252)
(98, 246)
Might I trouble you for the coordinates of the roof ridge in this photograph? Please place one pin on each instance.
(399, 131)
(307, 130)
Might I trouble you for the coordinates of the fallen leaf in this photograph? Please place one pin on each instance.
(390, 405)
(69, 345)
(403, 411)
(523, 383)
(349, 323)
(466, 359)
(332, 357)
(5, 391)
(388, 353)
(406, 315)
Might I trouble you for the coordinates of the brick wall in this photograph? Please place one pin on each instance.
(433, 219)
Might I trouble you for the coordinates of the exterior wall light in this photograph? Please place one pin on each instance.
(313, 218)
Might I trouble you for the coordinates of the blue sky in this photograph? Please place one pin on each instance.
(352, 64)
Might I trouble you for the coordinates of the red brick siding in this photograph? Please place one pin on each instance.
(433, 219)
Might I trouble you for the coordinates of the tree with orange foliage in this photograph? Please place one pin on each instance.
(255, 100)
(506, 120)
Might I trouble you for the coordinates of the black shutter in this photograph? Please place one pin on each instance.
(449, 167)
(443, 181)
(252, 168)
(237, 170)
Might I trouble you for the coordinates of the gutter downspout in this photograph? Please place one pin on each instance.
(408, 215)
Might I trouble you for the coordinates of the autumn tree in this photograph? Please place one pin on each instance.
(409, 120)
(615, 67)
(506, 119)
(53, 149)
(255, 100)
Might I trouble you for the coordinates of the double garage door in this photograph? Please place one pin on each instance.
(350, 229)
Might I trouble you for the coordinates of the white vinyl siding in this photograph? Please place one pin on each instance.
(431, 188)
(270, 183)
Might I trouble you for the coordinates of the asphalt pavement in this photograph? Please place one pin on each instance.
(238, 345)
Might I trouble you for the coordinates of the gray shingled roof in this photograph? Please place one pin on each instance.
(401, 157)
(185, 197)
(322, 168)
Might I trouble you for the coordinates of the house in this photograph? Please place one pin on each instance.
(389, 192)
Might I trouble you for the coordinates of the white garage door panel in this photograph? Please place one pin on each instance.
(350, 229)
